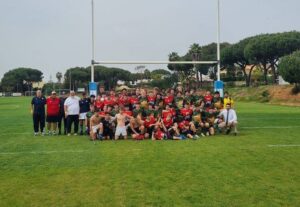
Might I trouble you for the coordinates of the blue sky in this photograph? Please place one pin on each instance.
(53, 35)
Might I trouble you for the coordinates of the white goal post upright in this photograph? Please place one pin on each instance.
(218, 84)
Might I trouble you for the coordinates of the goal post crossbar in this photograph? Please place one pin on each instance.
(152, 62)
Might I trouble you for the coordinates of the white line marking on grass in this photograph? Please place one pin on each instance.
(42, 152)
(271, 127)
(285, 145)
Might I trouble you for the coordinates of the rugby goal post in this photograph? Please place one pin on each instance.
(218, 84)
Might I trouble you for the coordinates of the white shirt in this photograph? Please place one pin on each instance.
(231, 115)
(72, 104)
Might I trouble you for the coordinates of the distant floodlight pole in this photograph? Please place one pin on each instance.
(218, 44)
(93, 44)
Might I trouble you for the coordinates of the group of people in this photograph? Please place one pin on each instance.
(143, 114)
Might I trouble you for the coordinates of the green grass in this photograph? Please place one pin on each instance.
(218, 171)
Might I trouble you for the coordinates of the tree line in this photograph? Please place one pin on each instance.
(274, 54)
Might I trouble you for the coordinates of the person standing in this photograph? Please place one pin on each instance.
(53, 105)
(84, 105)
(38, 112)
(228, 100)
(71, 107)
(62, 114)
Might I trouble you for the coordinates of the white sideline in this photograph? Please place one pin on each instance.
(285, 145)
(42, 152)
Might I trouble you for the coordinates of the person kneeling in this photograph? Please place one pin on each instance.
(96, 127)
(229, 120)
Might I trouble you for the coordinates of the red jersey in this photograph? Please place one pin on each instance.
(123, 100)
(183, 124)
(167, 123)
(101, 113)
(53, 106)
(149, 121)
(159, 135)
(133, 100)
(208, 98)
(129, 113)
(168, 99)
(186, 112)
(99, 104)
(165, 113)
(151, 99)
(108, 102)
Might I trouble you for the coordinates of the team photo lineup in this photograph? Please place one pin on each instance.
(171, 114)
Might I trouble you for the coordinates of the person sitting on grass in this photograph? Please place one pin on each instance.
(209, 121)
(229, 118)
(137, 128)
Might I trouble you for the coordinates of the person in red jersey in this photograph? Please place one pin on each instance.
(151, 98)
(150, 123)
(133, 100)
(137, 128)
(168, 111)
(158, 132)
(123, 99)
(53, 107)
(186, 112)
(208, 99)
(168, 99)
(98, 103)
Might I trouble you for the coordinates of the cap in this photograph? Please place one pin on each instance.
(53, 92)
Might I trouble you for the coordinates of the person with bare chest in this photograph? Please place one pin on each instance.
(96, 126)
(121, 127)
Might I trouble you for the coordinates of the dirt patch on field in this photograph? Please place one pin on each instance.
(280, 95)
(283, 95)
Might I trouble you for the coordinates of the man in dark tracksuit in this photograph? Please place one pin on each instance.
(38, 112)
(62, 114)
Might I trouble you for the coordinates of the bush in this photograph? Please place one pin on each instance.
(296, 89)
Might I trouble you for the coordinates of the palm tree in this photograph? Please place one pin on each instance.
(195, 52)
(59, 76)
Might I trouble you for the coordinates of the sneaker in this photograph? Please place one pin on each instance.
(36, 133)
(228, 131)
(75, 134)
(43, 133)
(69, 134)
(203, 135)
(53, 133)
(49, 133)
(100, 137)
(196, 137)
(207, 133)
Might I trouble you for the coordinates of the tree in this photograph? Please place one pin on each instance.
(195, 54)
(234, 55)
(289, 69)
(184, 71)
(59, 77)
(266, 49)
(209, 53)
(20, 79)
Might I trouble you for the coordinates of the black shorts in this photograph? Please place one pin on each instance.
(52, 119)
